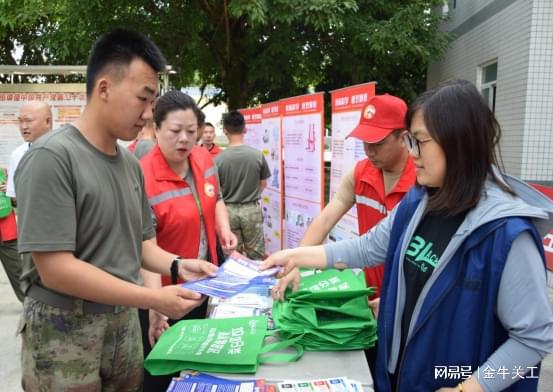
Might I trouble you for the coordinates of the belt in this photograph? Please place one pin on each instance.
(62, 301)
(244, 203)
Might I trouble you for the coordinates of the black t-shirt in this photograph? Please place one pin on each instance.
(422, 257)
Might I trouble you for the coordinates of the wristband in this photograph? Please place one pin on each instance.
(175, 269)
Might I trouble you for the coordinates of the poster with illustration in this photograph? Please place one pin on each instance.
(66, 108)
(347, 104)
(252, 117)
(303, 147)
(263, 133)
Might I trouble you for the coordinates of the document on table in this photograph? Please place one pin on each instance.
(235, 275)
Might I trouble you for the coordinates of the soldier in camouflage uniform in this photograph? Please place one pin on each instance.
(243, 173)
(86, 229)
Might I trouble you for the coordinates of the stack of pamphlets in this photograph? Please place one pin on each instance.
(235, 275)
(254, 301)
(200, 382)
(338, 384)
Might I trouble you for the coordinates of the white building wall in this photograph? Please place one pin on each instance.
(504, 34)
(537, 155)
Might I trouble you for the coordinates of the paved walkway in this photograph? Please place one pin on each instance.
(10, 372)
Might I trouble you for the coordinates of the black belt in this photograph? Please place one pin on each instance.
(244, 203)
(62, 301)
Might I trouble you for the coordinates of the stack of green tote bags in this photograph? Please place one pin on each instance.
(329, 312)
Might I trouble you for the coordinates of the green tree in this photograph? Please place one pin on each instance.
(252, 50)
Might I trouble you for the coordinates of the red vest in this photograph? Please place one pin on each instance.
(215, 150)
(373, 204)
(8, 228)
(176, 211)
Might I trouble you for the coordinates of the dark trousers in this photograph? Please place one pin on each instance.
(370, 355)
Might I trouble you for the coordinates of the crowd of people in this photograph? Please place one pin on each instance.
(450, 242)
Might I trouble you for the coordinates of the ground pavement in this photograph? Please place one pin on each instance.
(10, 372)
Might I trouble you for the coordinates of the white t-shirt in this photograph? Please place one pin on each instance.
(15, 157)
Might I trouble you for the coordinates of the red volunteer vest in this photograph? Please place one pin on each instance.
(215, 150)
(373, 204)
(176, 211)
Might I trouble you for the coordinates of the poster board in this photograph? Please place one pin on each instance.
(263, 133)
(303, 148)
(347, 104)
(66, 108)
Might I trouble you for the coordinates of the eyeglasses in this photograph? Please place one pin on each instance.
(413, 144)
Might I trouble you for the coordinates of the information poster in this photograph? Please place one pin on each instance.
(66, 108)
(347, 104)
(303, 147)
(263, 133)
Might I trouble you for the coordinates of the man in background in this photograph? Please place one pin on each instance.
(375, 185)
(243, 173)
(35, 119)
(208, 140)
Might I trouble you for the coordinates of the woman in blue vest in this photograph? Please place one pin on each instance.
(464, 303)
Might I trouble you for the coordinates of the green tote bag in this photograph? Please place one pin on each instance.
(329, 312)
(231, 345)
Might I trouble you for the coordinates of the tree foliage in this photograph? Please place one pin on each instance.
(252, 50)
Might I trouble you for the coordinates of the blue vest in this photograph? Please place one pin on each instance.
(457, 324)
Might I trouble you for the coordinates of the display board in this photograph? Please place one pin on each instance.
(303, 147)
(66, 108)
(548, 239)
(264, 134)
(347, 104)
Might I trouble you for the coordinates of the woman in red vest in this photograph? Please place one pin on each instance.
(183, 191)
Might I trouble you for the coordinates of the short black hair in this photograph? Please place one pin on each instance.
(172, 101)
(208, 124)
(118, 49)
(233, 122)
(461, 122)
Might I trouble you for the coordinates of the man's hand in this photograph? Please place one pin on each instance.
(192, 269)
(3, 187)
(292, 279)
(176, 301)
(228, 241)
(157, 325)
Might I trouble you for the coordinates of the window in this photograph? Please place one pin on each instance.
(487, 81)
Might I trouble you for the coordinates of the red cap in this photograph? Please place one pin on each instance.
(380, 116)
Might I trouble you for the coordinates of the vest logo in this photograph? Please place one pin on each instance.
(369, 112)
(209, 189)
(421, 255)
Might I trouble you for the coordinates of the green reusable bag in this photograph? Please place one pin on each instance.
(5, 201)
(329, 311)
(231, 345)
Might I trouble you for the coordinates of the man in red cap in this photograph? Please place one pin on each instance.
(375, 184)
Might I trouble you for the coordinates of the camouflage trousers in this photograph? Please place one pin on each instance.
(66, 350)
(246, 222)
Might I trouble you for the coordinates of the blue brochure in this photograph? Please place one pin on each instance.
(235, 275)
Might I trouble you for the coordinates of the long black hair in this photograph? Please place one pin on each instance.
(460, 121)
